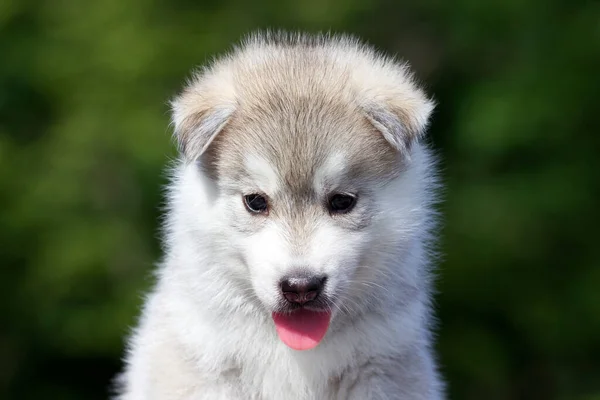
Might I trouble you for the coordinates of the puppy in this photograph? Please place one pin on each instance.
(298, 232)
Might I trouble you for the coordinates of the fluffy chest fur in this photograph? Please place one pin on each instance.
(211, 356)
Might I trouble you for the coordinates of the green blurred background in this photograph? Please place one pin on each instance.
(84, 140)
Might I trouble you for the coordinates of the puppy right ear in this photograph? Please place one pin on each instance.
(200, 113)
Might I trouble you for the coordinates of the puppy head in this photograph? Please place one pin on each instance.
(309, 150)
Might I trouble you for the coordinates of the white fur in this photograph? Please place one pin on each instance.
(263, 174)
(330, 172)
(206, 330)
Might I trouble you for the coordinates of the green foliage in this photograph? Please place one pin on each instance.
(84, 140)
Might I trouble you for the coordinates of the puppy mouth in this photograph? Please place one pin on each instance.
(302, 328)
(304, 310)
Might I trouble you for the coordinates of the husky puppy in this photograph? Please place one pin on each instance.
(296, 243)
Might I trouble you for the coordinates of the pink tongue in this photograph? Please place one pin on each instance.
(302, 329)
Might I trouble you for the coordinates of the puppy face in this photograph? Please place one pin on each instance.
(325, 197)
(305, 168)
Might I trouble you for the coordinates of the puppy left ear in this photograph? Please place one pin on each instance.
(401, 120)
(393, 103)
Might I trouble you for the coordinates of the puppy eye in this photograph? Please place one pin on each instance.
(341, 203)
(256, 203)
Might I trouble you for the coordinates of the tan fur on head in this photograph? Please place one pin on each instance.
(280, 66)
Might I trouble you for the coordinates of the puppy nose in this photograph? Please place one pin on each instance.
(301, 289)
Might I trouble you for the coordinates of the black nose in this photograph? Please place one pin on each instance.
(301, 289)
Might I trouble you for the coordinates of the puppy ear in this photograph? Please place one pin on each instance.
(200, 113)
(400, 124)
(393, 103)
